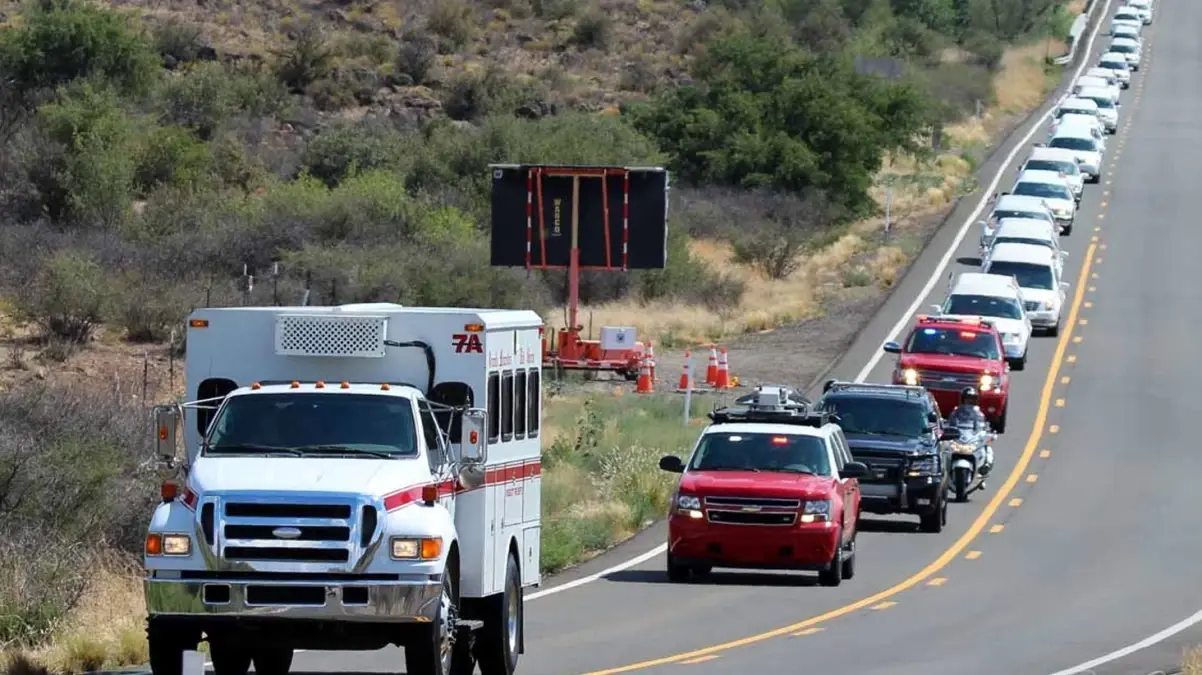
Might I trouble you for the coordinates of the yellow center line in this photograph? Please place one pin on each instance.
(972, 555)
(1017, 501)
(702, 659)
(974, 530)
(1044, 454)
(937, 581)
(808, 631)
(996, 528)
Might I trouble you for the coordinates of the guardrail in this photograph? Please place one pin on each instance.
(1075, 33)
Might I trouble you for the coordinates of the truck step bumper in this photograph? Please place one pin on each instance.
(413, 601)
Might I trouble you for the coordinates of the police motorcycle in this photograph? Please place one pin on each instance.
(971, 455)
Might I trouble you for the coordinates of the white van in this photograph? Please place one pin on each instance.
(1089, 123)
(995, 298)
(1062, 161)
(1027, 231)
(1037, 270)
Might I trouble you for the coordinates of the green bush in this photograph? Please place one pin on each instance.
(207, 95)
(69, 297)
(765, 114)
(65, 40)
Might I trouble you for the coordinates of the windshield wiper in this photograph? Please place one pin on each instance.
(876, 432)
(342, 450)
(800, 471)
(252, 448)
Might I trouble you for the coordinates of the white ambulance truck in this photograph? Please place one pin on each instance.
(356, 477)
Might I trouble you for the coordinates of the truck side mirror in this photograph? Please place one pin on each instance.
(671, 463)
(166, 428)
(891, 348)
(473, 448)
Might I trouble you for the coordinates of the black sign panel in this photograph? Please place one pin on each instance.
(647, 226)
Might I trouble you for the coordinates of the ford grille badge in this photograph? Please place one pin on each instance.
(286, 533)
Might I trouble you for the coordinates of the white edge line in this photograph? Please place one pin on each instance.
(907, 318)
(1117, 654)
(876, 359)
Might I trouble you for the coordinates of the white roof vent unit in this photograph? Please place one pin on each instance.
(345, 336)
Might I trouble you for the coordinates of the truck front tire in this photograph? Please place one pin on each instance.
(229, 657)
(437, 652)
(167, 646)
(273, 660)
(497, 645)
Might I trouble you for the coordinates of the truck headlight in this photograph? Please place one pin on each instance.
(986, 382)
(924, 466)
(1012, 338)
(910, 377)
(415, 548)
(816, 512)
(687, 505)
(168, 544)
(1046, 305)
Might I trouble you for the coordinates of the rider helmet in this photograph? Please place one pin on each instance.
(968, 396)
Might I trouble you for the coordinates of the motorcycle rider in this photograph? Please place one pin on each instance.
(969, 413)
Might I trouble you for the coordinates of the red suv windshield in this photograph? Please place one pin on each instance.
(954, 342)
(761, 452)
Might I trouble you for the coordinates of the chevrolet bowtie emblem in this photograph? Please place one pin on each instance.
(751, 509)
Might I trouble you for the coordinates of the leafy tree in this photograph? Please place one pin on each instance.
(64, 40)
(763, 113)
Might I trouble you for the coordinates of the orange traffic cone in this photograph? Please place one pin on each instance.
(711, 371)
(651, 358)
(723, 379)
(645, 384)
(686, 373)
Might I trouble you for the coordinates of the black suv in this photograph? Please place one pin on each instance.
(897, 431)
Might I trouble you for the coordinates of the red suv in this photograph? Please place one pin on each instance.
(945, 355)
(768, 486)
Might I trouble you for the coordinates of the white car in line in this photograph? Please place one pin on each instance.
(1060, 161)
(1054, 189)
(1127, 31)
(1027, 231)
(1128, 48)
(1129, 16)
(1118, 63)
(1086, 149)
(997, 299)
(1108, 108)
(1096, 127)
(1037, 270)
(1091, 82)
(1144, 7)
(1110, 76)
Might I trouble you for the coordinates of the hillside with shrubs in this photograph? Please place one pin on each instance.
(155, 156)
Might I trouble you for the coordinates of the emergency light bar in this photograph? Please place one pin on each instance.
(781, 416)
(910, 390)
(983, 323)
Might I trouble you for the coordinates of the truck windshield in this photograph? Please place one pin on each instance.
(785, 453)
(1005, 239)
(973, 343)
(1074, 143)
(302, 423)
(1044, 190)
(879, 416)
(983, 305)
(1002, 214)
(1029, 275)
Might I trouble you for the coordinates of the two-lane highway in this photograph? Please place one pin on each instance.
(1084, 541)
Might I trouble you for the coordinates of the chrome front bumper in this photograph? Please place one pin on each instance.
(414, 601)
(1043, 319)
(1014, 351)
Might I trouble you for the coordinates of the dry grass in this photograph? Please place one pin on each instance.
(106, 630)
(1191, 663)
(919, 190)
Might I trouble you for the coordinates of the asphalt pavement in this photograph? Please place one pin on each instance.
(1086, 539)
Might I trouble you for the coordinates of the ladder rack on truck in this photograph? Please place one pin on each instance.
(356, 476)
